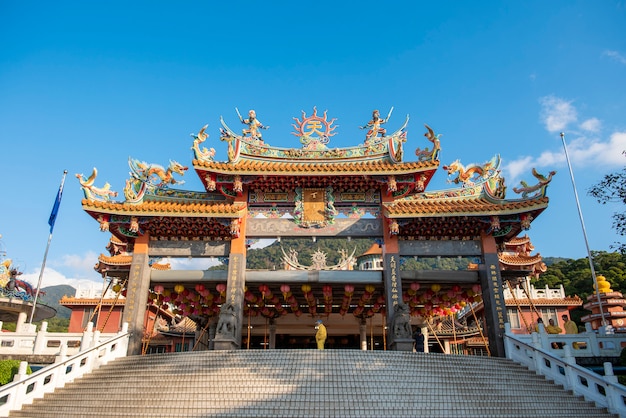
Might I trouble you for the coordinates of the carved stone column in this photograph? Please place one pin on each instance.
(272, 342)
(399, 334)
(137, 294)
(228, 332)
(493, 297)
(230, 322)
(363, 333)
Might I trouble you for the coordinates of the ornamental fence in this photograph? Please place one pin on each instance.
(94, 353)
(554, 356)
(47, 343)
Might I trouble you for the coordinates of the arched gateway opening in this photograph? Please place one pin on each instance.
(361, 192)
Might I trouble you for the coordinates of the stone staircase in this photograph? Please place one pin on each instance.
(310, 383)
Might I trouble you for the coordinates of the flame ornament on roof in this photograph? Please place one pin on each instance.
(314, 131)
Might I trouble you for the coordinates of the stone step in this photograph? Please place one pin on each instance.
(310, 383)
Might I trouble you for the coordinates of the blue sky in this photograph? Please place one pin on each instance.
(90, 84)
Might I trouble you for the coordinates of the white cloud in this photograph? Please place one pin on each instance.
(191, 263)
(557, 113)
(518, 167)
(583, 151)
(83, 264)
(53, 277)
(591, 125)
(616, 56)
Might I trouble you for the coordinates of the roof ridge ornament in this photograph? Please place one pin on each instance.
(539, 189)
(102, 194)
(314, 131)
(473, 173)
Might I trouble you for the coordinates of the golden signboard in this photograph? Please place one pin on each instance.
(314, 204)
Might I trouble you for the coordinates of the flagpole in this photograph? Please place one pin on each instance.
(582, 224)
(55, 209)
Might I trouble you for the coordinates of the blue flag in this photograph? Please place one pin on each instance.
(55, 207)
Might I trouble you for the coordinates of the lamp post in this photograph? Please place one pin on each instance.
(582, 223)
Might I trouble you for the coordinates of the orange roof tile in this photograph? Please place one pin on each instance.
(518, 241)
(460, 206)
(116, 260)
(185, 209)
(519, 260)
(338, 167)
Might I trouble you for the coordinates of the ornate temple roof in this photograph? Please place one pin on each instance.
(354, 179)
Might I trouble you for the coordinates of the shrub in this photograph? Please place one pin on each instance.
(8, 369)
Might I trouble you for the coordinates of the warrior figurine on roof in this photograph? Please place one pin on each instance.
(373, 126)
(253, 125)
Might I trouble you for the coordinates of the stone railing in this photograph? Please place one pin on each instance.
(45, 343)
(586, 344)
(535, 293)
(25, 388)
(557, 363)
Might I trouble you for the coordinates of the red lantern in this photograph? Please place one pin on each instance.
(199, 288)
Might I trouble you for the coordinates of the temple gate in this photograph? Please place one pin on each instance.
(365, 191)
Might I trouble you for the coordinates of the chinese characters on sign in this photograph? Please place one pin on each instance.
(495, 291)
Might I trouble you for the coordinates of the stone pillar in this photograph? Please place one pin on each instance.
(228, 332)
(493, 297)
(425, 333)
(230, 322)
(212, 329)
(363, 334)
(136, 301)
(272, 341)
(399, 335)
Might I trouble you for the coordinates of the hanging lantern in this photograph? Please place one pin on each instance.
(159, 289)
(349, 289)
(435, 288)
(370, 288)
(286, 291)
(415, 286)
(199, 287)
(117, 288)
(221, 288)
(327, 290)
(306, 288)
(179, 288)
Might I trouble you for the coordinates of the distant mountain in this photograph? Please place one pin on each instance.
(553, 260)
(53, 296)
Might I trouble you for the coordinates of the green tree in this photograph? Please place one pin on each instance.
(612, 188)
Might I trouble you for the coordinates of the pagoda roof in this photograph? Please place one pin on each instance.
(519, 260)
(151, 205)
(165, 208)
(445, 207)
(314, 168)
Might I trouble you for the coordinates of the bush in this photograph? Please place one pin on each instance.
(8, 369)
